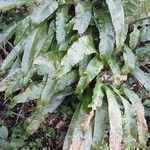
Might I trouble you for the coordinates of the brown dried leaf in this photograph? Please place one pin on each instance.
(85, 126)
(75, 145)
(140, 119)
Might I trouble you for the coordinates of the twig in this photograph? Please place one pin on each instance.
(19, 115)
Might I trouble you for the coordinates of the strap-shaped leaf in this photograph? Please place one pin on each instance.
(76, 138)
(72, 125)
(118, 20)
(31, 48)
(115, 121)
(61, 17)
(97, 99)
(48, 41)
(142, 77)
(129, 124)
(139, 111)
(134, 37)
(98, 95)
(82, 16)
(43, 11)
(80, 49)
(48, 91)
(31, 93)
(9, 4)
(114, 66)
(106, 35)
(93, 68)
(22, 30)
(129, 59)
(8, 32)
(99, 126)
(130, 129)
(12, 56)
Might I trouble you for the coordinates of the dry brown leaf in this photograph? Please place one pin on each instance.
(85, 126)
(115, 142)
(141, 122)
(76, 144)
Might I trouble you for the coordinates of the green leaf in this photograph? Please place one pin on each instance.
(92, 70)
(143, 51)
(31, 93)
(12, 56)
(22, 30)
(31, 48)
(98, 109)
(114, 66)
(61, 19)
(129, 124)
(72, 125)
(66, 80)
(12, 82)
(142, 77)
(76, 138)
(30, 74)
(43, 11)
(139, 111)
(136, 10)
(143, 10)
(129, 59)
(48, 91)
(98, 95)
(83, 64)
(86, 144)
(78, 50)
(82, 16)
(54, 86)
(16, 65)
(5, 145)
(48, 40)
(145, 31)
(8, 32)
(146, 103)
(48, 63)
(17, 143)
(134, 37)
(9, 4)
(118, 20)
(115, 121)
(99, 126)
(130, 129)
(107, 39)
(3, 132)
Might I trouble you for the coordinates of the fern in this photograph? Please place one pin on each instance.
(80, 48)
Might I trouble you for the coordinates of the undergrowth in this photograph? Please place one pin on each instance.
(94, 52)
